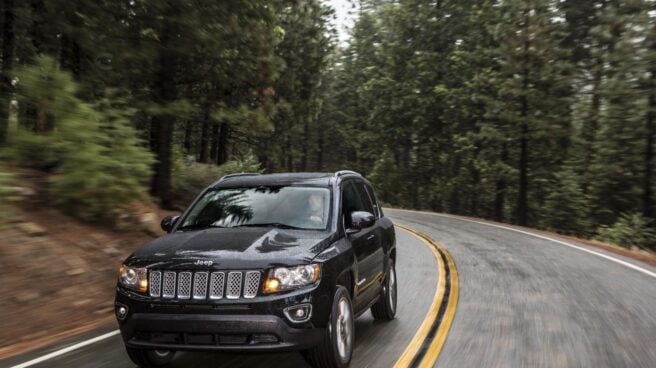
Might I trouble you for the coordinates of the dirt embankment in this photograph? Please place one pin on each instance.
(58, 275)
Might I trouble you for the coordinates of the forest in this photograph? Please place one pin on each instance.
(539, 113)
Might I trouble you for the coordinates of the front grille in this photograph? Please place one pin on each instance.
(184, 285)
(252, 284)
(168, 291)
(217, 285)
(200, 285)
(155, 283)
(233, 289)
(204, 285)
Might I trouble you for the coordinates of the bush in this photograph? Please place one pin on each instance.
(630, 230)
(190, 177)
(93, 151)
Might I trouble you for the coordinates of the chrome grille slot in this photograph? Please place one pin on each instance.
(252, 284)
(155, 283)
(168, 289)
(200, 285)
(233, 287)
(217, 283)
(184, 285)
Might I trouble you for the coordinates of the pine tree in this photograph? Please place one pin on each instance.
(617, 167)
(533, 87)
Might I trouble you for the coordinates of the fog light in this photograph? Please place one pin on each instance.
(299, 313)
(121, 311)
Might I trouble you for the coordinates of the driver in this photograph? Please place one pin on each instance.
(315, 208)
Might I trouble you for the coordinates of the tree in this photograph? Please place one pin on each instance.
(97, 162)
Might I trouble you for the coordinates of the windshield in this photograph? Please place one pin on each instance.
(291, 207)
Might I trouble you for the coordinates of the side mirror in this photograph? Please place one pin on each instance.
(361, 220)
(168, 222)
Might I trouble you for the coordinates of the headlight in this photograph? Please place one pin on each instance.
(287, 278)
(133, 278)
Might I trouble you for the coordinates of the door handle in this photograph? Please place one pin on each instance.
(370, 237)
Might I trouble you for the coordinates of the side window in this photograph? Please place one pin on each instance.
(350, 203)
(378, 210)
(367, 204)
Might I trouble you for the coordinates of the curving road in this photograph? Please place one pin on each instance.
(524, 301)
(530, 302)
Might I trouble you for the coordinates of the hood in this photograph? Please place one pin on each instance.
(238, 248)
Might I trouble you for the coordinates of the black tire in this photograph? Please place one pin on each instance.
(150, 358)
(328, 354)
(385, 307)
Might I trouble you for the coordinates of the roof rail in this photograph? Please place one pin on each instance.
(224, 177)
(346, 172)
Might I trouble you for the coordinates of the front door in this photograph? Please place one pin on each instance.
(365, 245)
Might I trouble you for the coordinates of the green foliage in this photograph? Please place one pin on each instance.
(630, 230)
(383, 177)
(99, 164)
(7, 193)
(566, 205)
(192, 177)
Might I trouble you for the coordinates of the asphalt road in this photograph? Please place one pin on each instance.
(530, 302)
(524, 302)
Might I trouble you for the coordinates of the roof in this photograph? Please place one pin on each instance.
(323, 179)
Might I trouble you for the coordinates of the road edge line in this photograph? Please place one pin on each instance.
(65, 350)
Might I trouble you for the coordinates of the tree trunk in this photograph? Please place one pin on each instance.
(8, 39)
(214, 150)
(70, 56)
(37, 31)
(305, 143)
(593, 122)
(522, 198)
(205, 137)
(164, 92)
(320, 144)
(288, 145)
(476, 178)
(500, 193)
(647, 189)
(222, 152)
(187, 137)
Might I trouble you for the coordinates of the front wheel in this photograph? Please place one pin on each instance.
(147, 358)
(336, 349)
(385, 307)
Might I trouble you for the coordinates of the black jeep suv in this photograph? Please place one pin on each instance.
(262, 263)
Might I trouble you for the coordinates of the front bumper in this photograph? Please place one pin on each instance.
(204, 332)
(259, 325)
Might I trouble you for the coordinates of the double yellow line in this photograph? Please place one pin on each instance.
(427, 343)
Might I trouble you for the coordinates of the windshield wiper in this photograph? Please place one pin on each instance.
(272, 224)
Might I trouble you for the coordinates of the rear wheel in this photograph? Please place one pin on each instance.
(336, 349)
(150, 358)
(385, 307)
